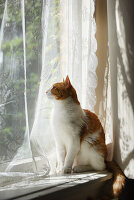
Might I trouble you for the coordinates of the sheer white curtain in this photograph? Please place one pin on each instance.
(121, 59)
(75, 52)
(68, 48)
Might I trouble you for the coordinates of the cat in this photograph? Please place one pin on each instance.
(79, 136)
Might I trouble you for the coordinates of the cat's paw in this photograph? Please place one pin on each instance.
(67, 170)
(60, 170)
(76, 169)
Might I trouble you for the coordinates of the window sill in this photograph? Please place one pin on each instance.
(74, 186)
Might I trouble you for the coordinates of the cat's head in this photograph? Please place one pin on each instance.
(62, 90)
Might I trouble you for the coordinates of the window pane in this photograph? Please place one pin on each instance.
(12, 80)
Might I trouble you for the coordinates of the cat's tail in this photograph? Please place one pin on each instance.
(118, 178)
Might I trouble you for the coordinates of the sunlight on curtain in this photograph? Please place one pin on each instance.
(74, 56)
(19, 75)
(121, 59)
(40, 42)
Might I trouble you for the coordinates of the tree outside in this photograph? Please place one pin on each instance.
(12, 105)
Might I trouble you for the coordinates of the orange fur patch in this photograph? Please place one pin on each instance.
(118, 176)
(64, 90)
(92, 127)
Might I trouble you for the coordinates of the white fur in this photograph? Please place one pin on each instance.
(66, 122)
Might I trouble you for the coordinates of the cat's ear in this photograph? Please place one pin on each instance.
(67, 81)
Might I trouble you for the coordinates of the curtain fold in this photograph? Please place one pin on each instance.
(48, 40)
(121, 60)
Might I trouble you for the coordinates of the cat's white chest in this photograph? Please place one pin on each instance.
(61, 124)
(65, 121)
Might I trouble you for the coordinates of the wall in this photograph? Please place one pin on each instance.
(102, 52)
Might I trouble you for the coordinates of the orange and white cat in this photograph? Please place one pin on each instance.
(79, 135)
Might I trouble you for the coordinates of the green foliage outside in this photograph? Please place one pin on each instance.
(12, 114)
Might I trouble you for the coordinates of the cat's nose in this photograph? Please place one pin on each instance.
(47, 92)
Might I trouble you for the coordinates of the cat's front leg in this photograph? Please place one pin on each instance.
(72, 151)
(60, 151)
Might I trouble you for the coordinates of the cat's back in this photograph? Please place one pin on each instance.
(92, 127)
(93, 132)
(93, 121)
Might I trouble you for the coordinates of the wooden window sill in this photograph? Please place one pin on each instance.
(65, 187)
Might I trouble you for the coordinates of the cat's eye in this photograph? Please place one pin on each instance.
(55, 88)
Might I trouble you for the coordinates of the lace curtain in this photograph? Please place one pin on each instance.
(40, 43)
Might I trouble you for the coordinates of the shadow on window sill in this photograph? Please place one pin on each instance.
(70, 186)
